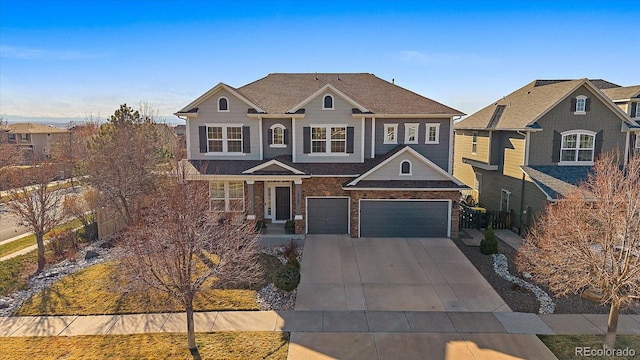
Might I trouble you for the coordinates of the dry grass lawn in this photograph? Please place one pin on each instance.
(95, 291)
(564, 346)
(223, 345)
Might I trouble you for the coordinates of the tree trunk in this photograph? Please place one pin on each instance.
(40, 243)
(612, 326)
(191, 333)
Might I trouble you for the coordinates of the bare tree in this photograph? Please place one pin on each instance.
(124, 157)
(182, 246)
(84, 207)
(36, 205)
(72, 150)
(591, 239)
(10, 154)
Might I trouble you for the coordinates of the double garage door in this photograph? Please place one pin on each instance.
(380, 218)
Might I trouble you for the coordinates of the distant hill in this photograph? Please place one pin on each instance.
(62, 122)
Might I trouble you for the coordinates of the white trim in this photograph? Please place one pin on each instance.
(577, 149)
(410, 173)
(211, 92)
(402, 189)
(218, 104)
(333, 102)
(227, 199)
(271, 187)
(260, 138)
(408, 126)
(272, 162)
(373, 137)
(362, 148)
(188, 138)
(584, 105)
(294, 150)
(414, 116)
(328, 140)
(251, 217)
(225, 140)
(451, 138)
(449, 210)
(385, 140)
(475, 134)
(322, 90)
(306, 210)
(626, 146)
(297, 217)
(419, 156)
(426, 134)
(272, 128)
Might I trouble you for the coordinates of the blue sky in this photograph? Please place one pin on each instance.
(71, 59)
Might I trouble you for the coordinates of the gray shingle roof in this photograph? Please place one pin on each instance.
(557, 180)
(623, 93)
(280, 92)
(525, 105)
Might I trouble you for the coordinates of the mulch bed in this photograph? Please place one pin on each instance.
(520, 299)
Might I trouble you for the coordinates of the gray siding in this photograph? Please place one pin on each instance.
(419, 170)
(561, 118)
(208, 114)
(438, 153)
(367, 138)
(341, 115)
(271, 152)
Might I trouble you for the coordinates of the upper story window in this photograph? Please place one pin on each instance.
(390, 133)
(12, 138)
(223, 104)
(474, 143)
(224, 139)
(226, 195)
(327, 102)
(411, 133)
(277, 136)
(405, 167)
(331, 139)
(581, 105)
(637, 114)
(433, 134)
(24, 137)
(577, 147)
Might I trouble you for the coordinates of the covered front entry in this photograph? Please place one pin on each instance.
(278, 201)
(327, 215)
(404, 218)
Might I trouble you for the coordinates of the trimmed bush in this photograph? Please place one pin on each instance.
(489, 243)
(286, 277)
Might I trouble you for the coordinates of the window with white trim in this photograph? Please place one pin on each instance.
(637, 114)
(224, 139)
(433, 134)
(390, 134)
(226, 196)
(327, 102)
(405, 167)
(24, 137)
(581, 104)
(411, 133)
(474, 143)
(223, 104)
(277, 136)
(577, 147)
(329, 139)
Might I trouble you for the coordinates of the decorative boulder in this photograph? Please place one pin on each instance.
(91, 254)
(4, 303)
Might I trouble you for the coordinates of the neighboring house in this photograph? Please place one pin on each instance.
(35, 139)
(628, 99)
(336, 153)
(537, 143)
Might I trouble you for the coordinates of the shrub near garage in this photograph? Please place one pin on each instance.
(286, 277)
(489, 243)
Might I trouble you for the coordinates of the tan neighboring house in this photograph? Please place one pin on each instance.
(35, 139)
(339, 153)
(537, 143)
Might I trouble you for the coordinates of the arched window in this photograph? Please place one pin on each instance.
(327, 102)
(277, 136)
(577, 146)
(405, 167)
(223, 104)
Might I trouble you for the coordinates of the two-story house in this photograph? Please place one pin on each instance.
(336, 153)
(537, 143)
(628, 99)
(35, 140)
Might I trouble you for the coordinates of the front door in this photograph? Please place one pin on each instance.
(283, 203)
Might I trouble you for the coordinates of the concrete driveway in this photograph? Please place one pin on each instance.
(391, 274)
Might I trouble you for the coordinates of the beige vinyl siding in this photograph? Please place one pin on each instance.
(461, 171)
(514, 153)
(237, 114)
(482, 153)
(340, 115)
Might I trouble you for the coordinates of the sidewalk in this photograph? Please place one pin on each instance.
(321, 321)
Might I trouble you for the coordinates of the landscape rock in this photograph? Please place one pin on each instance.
(91, 254)
(4, 303)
